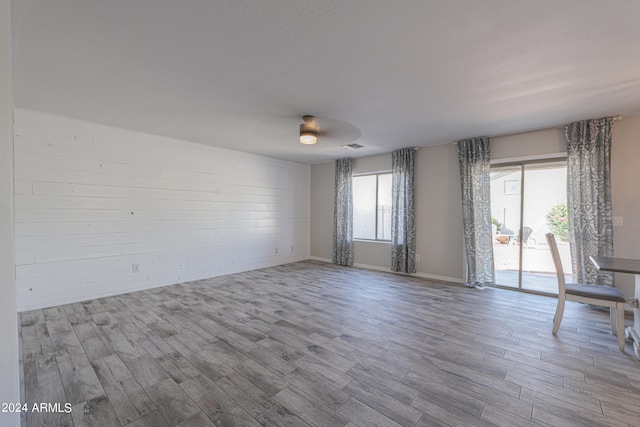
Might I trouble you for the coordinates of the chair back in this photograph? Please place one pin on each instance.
(551, 239)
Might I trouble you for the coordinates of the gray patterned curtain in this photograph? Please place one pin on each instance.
(474, 157)
(403, 229)
(589, 194)
(343, 214)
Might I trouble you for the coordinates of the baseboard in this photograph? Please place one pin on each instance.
(141, 286)
(387, 270)
(628, 311)
(447, 279)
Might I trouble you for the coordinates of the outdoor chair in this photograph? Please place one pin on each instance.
(526, 234)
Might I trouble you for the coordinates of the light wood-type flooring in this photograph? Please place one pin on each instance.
(315, 344)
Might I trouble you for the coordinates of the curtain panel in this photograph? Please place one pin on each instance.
(343, 213)
(474, 157)
(403, 229)
(589, 197)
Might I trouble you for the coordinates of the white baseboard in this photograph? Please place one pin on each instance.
(456, 280)
(317, 258)
(422, 275)
(387, 270)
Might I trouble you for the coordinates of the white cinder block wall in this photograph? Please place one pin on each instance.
(101, 211)
(9, 363)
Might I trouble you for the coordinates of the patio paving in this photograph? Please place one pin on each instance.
(538, 270)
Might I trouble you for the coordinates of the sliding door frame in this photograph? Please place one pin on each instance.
(522, 165)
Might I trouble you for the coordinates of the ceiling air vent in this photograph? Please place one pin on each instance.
(352, 146)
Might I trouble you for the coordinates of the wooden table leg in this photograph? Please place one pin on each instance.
(633, 332)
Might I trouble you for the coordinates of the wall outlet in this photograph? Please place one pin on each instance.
(617, 221)
(293, 248)
(417, 257)
(276, 250)
(135, 268)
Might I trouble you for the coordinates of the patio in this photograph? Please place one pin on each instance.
(538, 272)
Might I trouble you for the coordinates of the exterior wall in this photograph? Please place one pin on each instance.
(103, 211)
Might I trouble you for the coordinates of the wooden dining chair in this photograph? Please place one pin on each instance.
(604, 296)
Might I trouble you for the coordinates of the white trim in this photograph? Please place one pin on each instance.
(317, 258)
(454, 280)
(388, 242)
(143, 287)
(549, 156)
(377, 194)
(385, 172)
(373, 267)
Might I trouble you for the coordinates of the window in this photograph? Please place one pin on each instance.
(512, 186)
(372, 207)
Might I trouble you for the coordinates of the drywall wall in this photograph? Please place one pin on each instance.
(372, 164)
(625, 177)
(322, 195)
(438, 213)
(9, 367)
(376, 254)
(438, 217)
(528, 146)
(102, 211)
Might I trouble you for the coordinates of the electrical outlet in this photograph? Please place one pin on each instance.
(617, 221)
(293, 248)
(276, 250)
(417, 257)
(135, 268)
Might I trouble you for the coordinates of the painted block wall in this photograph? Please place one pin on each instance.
(102, 211)
(9, 365)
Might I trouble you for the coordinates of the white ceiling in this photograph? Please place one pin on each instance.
(383, 73)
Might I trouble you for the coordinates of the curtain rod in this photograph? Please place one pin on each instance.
(615, 119)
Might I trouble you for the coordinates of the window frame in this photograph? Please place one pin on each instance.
(377, 175)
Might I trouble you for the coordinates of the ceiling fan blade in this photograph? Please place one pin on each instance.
(287, 127)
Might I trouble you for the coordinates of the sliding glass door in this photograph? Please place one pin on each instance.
(528, 200)
(506, 204)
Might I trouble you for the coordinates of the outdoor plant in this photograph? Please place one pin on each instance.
(497, 223)
(558, 221)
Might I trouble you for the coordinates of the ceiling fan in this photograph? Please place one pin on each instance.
(332, 132)
(309, 130)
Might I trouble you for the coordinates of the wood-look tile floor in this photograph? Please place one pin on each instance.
(315, 344)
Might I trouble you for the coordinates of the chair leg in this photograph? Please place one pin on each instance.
(557, 319)
(620, 324)
(613, 320)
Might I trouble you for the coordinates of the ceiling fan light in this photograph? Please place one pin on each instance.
(309, 131)
(308, 138)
